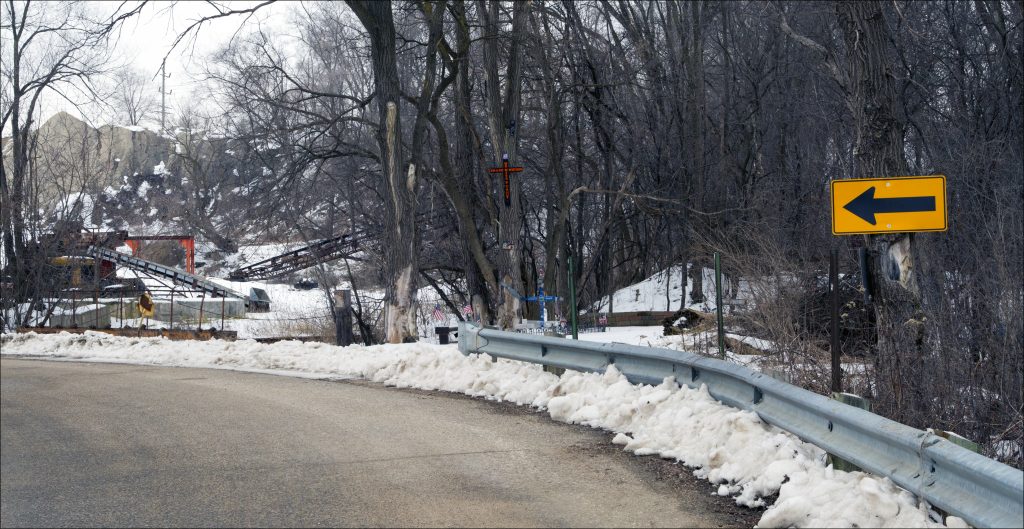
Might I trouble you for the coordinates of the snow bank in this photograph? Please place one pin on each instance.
(750, 461)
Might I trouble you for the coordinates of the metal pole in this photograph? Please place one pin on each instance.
(833, 286)
(120, 306)
(718, 304)
(163, 95)
(74, 311)
(572, 302)
(540, 297)
(96, 310)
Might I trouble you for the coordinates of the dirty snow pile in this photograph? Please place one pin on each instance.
(749, 460)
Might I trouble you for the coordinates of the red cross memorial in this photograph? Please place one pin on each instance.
(506, 171)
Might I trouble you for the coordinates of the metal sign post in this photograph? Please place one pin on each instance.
(833, 288)
(572, 301)
(718, 304)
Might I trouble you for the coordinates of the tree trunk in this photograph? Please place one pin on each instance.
(556, 220)
(480, 271)
(878, 151)
(502, 120)
(398, 186)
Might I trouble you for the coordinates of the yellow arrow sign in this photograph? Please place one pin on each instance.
(889, 205)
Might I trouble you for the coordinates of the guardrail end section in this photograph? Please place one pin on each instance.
(467, 345)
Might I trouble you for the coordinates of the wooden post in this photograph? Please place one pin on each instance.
(74, 311)
(120, 306)
(172, 307)
(833, 287)
(202, 301)
(343, 317)
(222, 299)
(857, 401)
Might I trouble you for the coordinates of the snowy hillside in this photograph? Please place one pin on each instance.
(663, 291)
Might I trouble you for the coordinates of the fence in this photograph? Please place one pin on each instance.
(982, 491)
(561, 329)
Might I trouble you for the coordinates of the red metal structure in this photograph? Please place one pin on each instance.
(187, 242)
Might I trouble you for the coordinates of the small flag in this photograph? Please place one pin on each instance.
(467, 310)
(438, 315)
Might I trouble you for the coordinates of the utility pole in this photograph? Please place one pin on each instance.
(163, 95)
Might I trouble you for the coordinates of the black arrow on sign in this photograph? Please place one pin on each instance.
(866, 205)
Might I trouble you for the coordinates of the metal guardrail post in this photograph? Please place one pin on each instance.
(982, 491)
(857, 401)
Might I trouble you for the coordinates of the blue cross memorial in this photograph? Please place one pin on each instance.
(540, 298)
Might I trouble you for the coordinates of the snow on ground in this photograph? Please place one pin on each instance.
(654, 336)
(294, 312)
(645, 335)
(650, 294)
(749, 460)
(249, 253)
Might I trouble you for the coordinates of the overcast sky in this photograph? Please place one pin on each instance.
(146, 38)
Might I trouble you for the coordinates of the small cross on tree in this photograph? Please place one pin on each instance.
(506, 171)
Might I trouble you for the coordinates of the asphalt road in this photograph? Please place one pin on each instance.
(120, 445)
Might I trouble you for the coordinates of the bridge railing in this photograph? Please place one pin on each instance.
(982, 491)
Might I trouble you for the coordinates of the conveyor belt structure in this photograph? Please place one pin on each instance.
(299, 259)
(178, 276)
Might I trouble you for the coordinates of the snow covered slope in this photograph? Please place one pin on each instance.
(664, 291)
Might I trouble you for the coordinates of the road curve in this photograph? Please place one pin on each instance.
(120, 445)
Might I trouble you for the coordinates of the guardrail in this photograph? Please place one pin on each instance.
(982, 491)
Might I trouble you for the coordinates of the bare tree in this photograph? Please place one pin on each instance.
(134, 96)
(398, 181)
(50, 50)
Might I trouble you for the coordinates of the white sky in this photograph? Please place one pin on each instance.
(146, 38)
